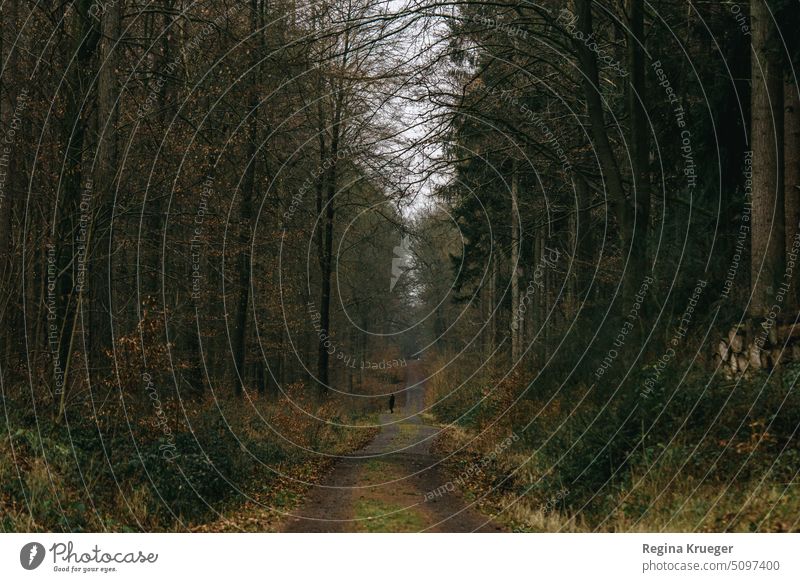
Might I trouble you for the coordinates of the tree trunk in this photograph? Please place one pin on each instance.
(246, 217)
(326, 208)
(539, 300)
(9, 177)
(590, 80)
(637, 217)
(493, 312)
(792, 179)
(105, 166)
(516, 315)
(584, 245)
(327, 273)
(768, 240)
(64, 327)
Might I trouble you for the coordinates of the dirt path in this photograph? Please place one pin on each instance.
(382, 487)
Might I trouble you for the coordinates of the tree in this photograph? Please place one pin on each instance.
(768, 234)
(792, 178)
(85, 37)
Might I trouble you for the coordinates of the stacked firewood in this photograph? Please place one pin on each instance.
(748, 348)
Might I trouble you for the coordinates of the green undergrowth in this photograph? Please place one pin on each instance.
(110, 473)
(690, 455)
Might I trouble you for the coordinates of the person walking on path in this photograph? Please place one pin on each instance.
(391, 403)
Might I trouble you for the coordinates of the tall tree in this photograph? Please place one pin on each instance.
(104, 171)
(84, 41)
(768, 234)
(792, 177)
(638, 213)
(515, 267)
(611, 174)
(9, 92)
(249, 195)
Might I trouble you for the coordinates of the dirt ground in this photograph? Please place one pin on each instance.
(383, 487)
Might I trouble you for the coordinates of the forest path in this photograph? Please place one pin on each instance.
(383, 487)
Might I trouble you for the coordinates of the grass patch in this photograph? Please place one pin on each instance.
(376, 516)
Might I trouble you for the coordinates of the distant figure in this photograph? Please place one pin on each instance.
(391, 403)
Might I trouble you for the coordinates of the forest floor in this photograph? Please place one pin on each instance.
(388, 485)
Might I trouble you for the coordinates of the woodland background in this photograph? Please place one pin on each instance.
(584, 217)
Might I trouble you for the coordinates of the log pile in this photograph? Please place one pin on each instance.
(748, 348)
